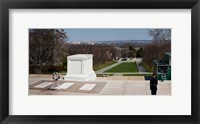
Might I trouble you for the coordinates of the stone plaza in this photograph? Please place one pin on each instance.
(113, 85)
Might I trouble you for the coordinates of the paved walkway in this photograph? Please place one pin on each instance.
(140, 67)
(106, 68)
(113, 85)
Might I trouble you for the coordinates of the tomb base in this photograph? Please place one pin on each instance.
(91, 76)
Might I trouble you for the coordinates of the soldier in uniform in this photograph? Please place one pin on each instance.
(153, 84)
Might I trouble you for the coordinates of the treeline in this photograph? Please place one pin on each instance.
(155, 51)
(101, 53)
(130, 51)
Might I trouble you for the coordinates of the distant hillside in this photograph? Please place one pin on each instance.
(115, 42)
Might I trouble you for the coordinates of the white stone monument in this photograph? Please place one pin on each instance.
(80, 67)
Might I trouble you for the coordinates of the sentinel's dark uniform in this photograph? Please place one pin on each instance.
(153, 86)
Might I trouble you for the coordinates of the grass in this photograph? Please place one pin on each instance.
(147, 67)
(103, 65)
(102, 75)
(137, 74)
(124, 67)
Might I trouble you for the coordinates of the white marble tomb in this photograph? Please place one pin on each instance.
(80, 67)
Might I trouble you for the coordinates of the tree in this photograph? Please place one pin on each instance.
(153, 52)
(161, 43)
(46, 47)
(139, 52)
(160, 34)
(131, 53)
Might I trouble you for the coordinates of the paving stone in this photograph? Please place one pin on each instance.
(113, 85)
(87, 87)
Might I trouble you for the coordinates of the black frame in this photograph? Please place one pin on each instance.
(5, 5)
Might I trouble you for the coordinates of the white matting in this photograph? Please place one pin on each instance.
(43, 85)
(65, 85)
(115, 18)
(87, 87)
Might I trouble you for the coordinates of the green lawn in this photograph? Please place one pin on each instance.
(101, 75)
(103, 65)
(124, 67)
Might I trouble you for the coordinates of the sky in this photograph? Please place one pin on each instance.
(103, 34)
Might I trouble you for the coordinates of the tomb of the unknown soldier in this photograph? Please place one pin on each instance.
(80, 67)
